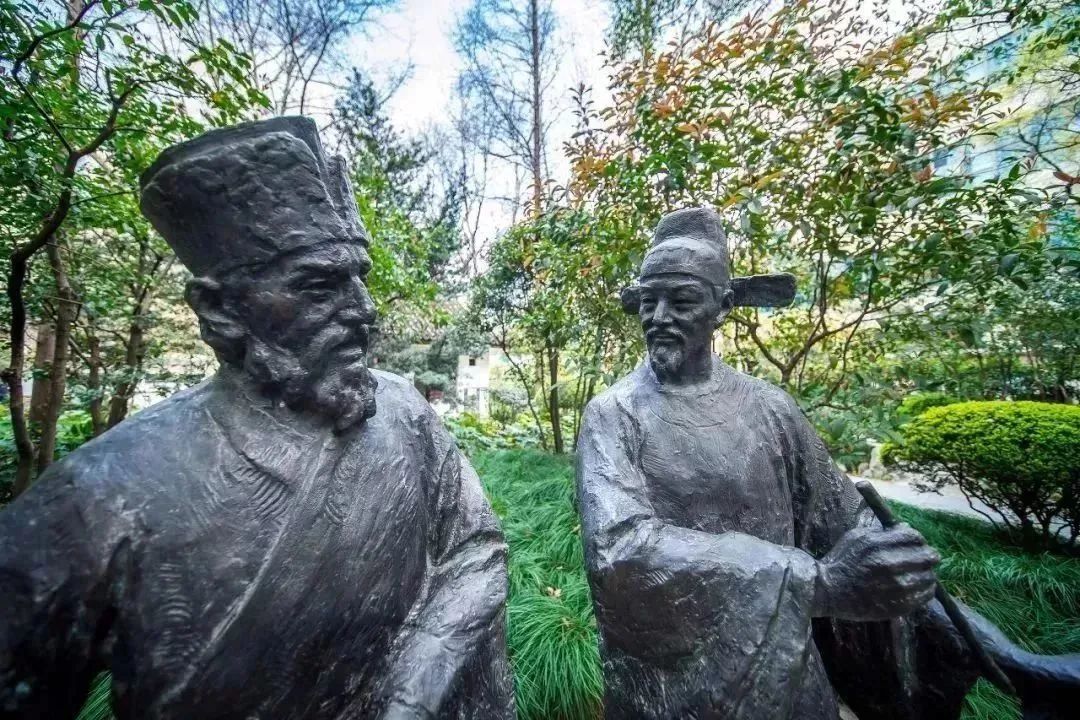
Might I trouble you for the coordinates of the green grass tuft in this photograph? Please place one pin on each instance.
(98, 702)
(552, 632)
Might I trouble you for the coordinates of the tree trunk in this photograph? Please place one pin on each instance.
(44, 350)
(66, 307)
(18, 269)
(553, 400)
(579, 392)
(537, 156)
(93, 382)
(134, 352)
(24, 447)
(13, 374)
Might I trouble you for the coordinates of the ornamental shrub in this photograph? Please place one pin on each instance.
(1020, 459)
(890, 452)
(917, 403)
(910, 407)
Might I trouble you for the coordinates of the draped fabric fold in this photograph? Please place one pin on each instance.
(704, 511)
(298, 574)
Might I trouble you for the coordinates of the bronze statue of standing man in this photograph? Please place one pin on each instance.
(736, 573)
(298, 536)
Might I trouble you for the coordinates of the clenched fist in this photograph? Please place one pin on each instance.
(876, 574)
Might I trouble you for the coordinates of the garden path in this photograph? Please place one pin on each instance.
(949, 499)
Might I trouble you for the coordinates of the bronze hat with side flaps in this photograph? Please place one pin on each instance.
(692, 242)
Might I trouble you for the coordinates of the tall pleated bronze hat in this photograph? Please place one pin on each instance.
(247, 194)
(693, 242)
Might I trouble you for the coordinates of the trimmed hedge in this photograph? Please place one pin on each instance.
(910, 407)
(1021, 459)
(917, 403)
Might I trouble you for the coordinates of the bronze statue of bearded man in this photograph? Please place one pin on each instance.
(296, 537)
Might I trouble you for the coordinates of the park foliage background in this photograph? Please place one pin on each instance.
(916, 167)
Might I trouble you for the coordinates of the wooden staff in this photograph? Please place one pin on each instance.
(989, 668)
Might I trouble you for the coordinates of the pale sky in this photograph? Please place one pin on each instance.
(419, 34)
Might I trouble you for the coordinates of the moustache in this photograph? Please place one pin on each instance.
(344, 344)
(665, 335)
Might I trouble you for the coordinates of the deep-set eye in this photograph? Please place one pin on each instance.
(312, 285)
(319, 291)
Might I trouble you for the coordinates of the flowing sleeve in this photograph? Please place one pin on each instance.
(450, 660)
(691, 622)
(55, 560)
(911, 668)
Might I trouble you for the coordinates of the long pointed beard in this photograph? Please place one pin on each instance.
(343, 394)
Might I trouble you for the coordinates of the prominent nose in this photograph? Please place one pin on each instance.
(360, 308)
(662, 313)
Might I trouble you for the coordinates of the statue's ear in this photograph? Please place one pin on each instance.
(631, 299)
(763, 290)
(217, 322)
(727, 302)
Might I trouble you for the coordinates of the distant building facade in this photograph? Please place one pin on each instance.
(477, 375)
(1040, 121)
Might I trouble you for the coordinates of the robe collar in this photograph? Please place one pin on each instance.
(269, 435)
(712, 385)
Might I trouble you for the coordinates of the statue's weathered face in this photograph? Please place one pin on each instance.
(678, 313)
(315, 303)
(304, 322)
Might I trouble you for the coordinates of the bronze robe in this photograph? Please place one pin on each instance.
(223, 564)
(703, 511)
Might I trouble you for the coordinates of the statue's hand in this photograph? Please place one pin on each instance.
(876, 574)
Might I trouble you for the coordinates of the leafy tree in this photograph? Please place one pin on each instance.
(297, 47)
(510, 57)
(815, 131)
(121, 270)
(91, 95)
(1029, 53)
(547, 301)
(641, 26)
(521, 313)
(415, 225)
